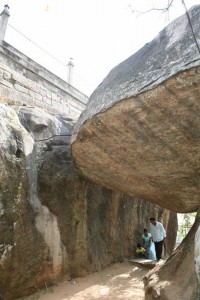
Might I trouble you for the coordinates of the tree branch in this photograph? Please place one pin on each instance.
(191, 27)
(163, 10)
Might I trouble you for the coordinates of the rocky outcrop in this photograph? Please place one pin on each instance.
(170, 224)
(140, 130)
(53, 221)
(180, 275)
(139, 136)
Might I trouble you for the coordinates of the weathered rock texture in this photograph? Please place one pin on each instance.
(53, 222)
(179, 277)
(170, 224)
(140, 132)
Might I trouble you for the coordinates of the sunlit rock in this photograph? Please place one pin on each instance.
(140, 132)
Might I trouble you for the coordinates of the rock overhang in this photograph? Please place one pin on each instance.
(140, 132)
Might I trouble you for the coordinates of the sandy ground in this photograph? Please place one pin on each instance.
(119, 281)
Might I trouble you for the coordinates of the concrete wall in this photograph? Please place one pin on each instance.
(24, 82)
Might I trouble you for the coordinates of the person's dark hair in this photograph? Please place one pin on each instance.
(145, 230)
(152, 219)
(139, 245)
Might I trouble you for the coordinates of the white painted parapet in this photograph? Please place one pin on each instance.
(25, 82)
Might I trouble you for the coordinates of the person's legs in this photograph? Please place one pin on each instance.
(159, 246)
(157, 251)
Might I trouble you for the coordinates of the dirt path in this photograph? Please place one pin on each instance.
(119, 281)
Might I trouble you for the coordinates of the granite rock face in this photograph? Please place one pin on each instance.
(140, 132)
(52, 221)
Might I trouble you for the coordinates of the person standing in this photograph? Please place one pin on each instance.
(158, 235)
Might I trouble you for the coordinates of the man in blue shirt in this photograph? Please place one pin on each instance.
(158, 235)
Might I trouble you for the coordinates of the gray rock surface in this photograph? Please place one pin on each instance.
(139, 133)
(52, 221)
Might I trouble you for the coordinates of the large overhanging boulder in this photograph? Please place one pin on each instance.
(140, 132)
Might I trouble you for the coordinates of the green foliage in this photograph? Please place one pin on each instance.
(48, 289)
(185, 226)
(36, 296)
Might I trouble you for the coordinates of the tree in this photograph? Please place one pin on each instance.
(185, 226)
(165, 9)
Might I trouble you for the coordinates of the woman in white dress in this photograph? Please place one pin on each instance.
(148, 245)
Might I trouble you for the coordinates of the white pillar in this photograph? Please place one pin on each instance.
(70, 66)
(3, 22)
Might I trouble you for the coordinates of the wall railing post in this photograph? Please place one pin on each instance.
(3, 22)
(70, 66)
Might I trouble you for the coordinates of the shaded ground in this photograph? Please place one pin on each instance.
(119, 281)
